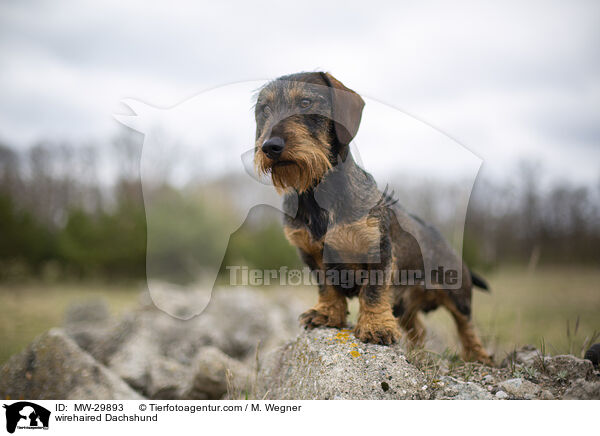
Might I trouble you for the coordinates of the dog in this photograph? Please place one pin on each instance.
(341, 222)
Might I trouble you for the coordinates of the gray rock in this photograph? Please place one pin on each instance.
(144, 334)
(546, 395)
(488, 379)
(453, 389)
(527, 355)
(236, 321)
(131, 348)
(563, 367)
(520, 388)
(568, 367)
(88, 323)
(582, 389)
(501, 395)
(215, 374)
(333, 364)
(167, 379)
(53, 367)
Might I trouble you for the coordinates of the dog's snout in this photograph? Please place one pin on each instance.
(273, 147)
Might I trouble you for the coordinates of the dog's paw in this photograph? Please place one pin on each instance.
(383, 331)
(322, 317)
(478, 355)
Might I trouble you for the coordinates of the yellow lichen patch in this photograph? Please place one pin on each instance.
(354, 344)
(354, 353)
(342, 336)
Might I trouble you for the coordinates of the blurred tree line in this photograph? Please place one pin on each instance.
(525, 220)
(78, 212)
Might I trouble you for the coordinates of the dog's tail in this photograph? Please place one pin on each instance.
(479, 282)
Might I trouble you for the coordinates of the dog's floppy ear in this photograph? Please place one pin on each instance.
(347, 109)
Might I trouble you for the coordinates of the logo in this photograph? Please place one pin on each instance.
(189, 146)
(26, 415)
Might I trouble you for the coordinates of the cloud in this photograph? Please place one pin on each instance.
(508, 80)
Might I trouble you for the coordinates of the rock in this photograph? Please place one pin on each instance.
(143, 335)
(133, 359)
(567, 367)
(53, 367)
(167, 379)
(563, 367)
(88, 323)
(519, 388)
(118, 334)
(527, 355)
(236, 321)
(215, 374)
(501, 395)
(333, 364)
(488, 379)
(453, 389)
(546, 395)
(582, 389)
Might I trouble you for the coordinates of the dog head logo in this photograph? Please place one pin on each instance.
(26, 415)
(187, 146)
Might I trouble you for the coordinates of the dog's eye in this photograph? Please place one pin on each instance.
(266, 110)
(305, 103)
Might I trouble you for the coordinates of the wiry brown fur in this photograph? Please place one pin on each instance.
(343, 221)
(376, 323)
(310, 154)
(330, 310)
(311, 157)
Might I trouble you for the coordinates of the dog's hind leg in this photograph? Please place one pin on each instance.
(406, 310)
(414, 328)
(472, 348)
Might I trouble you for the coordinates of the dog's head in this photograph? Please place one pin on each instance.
(303, 122)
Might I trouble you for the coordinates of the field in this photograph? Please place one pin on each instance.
(28, 310)
(523, 308)
(531, 308)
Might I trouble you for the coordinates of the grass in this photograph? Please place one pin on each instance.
(523, 308)
(27, 310)
(533, 308)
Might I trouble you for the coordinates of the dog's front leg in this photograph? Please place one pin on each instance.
(330, 310)
(376, 323)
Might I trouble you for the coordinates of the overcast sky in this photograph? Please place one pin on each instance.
(516, 80)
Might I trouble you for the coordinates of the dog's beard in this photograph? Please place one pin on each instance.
(301, 167)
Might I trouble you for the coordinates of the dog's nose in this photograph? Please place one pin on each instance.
(273, 147)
